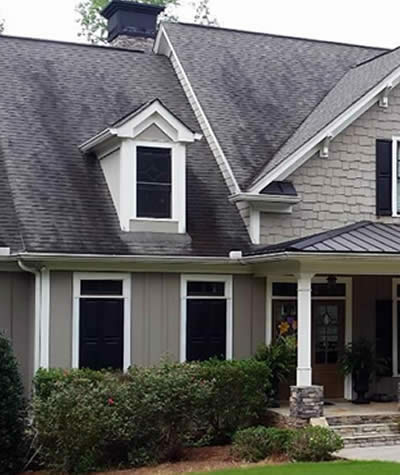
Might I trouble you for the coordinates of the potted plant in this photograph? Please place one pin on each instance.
(360, 361)
(281, 357)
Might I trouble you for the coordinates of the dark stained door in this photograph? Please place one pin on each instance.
(206, 329)
(101, 330)
(328, 343)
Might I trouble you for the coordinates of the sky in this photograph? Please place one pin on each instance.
(369, 22)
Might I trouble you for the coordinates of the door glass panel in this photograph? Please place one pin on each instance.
(101, 287)
(327, 334)
(284, 289)
(203, 289)
(285, 318)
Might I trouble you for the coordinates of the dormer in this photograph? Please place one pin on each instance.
(143, 157)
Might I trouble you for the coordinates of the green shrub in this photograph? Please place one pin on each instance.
(281, 357)
(47, 380)
(314, 444)
(89, 420)
(90, 423)
(12, 411)
(257, 443)
(239, 398)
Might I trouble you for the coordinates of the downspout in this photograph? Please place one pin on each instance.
(38, 299)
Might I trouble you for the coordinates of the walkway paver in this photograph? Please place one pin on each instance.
(383, 454)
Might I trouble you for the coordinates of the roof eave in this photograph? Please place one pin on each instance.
(293, 161)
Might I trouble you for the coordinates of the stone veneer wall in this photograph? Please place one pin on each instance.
(306, 402)
(339, 190)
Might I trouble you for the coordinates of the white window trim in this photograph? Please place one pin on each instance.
(348, 326)
(227, 279)
(128, 189)
(395, 341)
(395, 145)
(126, 296)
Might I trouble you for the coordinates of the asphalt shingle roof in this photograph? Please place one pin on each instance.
(53, 97)
(353, 86)
(257, 89)
(362, 237)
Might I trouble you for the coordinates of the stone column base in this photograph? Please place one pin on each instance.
(306, 402)
(398, 395)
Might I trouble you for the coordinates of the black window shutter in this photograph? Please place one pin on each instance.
(384, 177)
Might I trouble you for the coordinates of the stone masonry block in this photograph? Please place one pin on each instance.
(306, 402)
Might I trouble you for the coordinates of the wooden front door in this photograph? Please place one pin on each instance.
(327, 345)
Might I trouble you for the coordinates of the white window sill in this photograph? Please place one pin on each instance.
(153, 225)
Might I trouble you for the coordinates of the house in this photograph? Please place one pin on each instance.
(195, 191)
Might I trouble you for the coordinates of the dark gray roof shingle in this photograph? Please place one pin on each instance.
(257, 89)
(353, 86)
(53, 97)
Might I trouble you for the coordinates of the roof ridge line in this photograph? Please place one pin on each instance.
(276, 35)
(70, 43)
(370, 60)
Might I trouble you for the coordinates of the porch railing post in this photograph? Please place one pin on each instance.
(304, 371)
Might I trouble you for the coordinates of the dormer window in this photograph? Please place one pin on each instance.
(154, 183)
(143, 157)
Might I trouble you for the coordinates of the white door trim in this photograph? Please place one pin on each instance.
(126, 296)
(227, 279)
(348, 281)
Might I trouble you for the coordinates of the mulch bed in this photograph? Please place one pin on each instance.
(202, 459)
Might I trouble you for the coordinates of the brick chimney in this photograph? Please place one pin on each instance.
(132, 25)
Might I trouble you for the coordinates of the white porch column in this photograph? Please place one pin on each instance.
(304, 372)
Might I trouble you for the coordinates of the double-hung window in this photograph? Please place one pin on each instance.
(153, 183)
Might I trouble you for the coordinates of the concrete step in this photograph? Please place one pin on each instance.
(372, 440)
(354, 430)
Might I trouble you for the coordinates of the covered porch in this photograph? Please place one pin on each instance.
(333, 289)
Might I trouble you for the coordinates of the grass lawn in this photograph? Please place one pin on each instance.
(332, 468)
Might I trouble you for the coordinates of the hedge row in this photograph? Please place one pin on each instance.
(310, 444)
(89, 420)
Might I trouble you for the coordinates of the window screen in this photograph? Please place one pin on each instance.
(153, 182)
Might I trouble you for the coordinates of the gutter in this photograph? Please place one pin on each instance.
(125, 258)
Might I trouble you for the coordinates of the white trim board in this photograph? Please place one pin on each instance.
(228, 280)
(126, 296)
(335, 127)
(163, 46)
(44, 327)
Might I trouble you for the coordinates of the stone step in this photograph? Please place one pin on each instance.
(367, 429)
(363, 419)
(372, 440)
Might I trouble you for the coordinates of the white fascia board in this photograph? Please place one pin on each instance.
(47, 257)
(128, 124)
(306, 151)
(257, 198)
(98, 139)
(163, 46)
(280, 204)
(129, 127)
(5, 251)
(316, 256)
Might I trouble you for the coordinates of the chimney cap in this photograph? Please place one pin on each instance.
(127, 18)
(127, 5)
